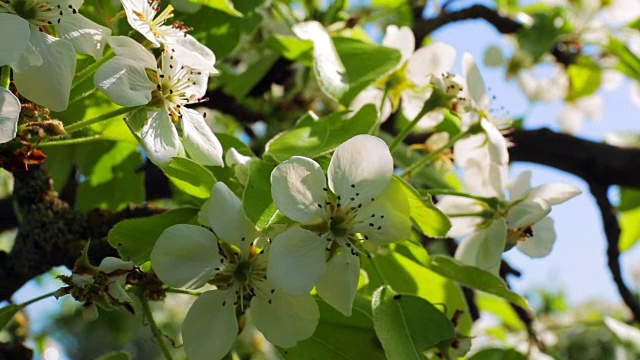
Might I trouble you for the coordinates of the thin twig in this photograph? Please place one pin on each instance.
(612, 231)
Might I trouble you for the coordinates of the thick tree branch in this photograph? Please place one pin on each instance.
(597, 163)
(424, 27)
(51, 233)
(612, 231)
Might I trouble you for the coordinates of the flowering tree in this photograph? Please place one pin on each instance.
(296, 178)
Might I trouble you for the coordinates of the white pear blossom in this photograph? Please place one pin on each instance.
(143, 16)
(361, 203)
(483, 156)
(190, 256)
(520, 221)
(409, 80)
(9, 115)
(133, 79)
(44, 64)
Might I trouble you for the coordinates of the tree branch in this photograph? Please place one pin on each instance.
(424, 27)
(612, 231)
(597, 163)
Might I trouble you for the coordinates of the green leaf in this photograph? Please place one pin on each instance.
(629, 198)
(630, 228)
(473, 277)
(223, 31)
(364, 63)
(256, 201)
(429, 219)
(239, 85)
(500, 308)
(110, 176)
(542, 36)
(407, 325)
(629, 63)
(312, 138)
(222, 5)
(292, 48)
(498, 354)
(340, 337)
(134, 238)
(327, 65)
(403, 268)
(190, 177)
(7, 313)
(584, 77)
(120, 355)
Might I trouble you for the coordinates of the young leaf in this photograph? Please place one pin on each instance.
(429, 219)
(340, 337)
(190, 177)
(473, 277)
(134, 238)
(407, 325)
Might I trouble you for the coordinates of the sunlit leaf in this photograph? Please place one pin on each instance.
(222, 5)
(429, 219)
(407, 325)
(134, 238)
(340, 337)
(256, 200)
(190, 177)
(498, 354)
(475, 278)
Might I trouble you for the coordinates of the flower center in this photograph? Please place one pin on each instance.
(337, 225)
(242, 272)
(172, 89)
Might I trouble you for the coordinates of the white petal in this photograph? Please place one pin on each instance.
(297, 189)
(89, 312)
(541, 243)
(124, 81)
(186, 256)
(387, 219)
(198, 139)
(520, 187)
(475, 85)
(497, 144)
(436, 58)
(14, 39)
(135, 8)
(159, 137)
(111, 264)
(127, 47)
(116, 292)
(339, 284)
(401, 39)
(527, 213)
(210, 327)
(28, 58)
(9, 113)
(190, 52)
(484, 248)
(360, 169)
(373, 95)
(554, 194)
(86, 36)
(296, 261)
(413, 102)
(284, 319)
(228, 220)
(49, 84)
(461, 225)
